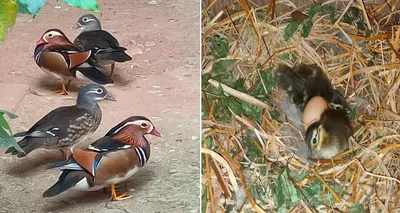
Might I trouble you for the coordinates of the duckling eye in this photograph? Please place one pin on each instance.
(99, 91)
(314, 141)
(144, 125)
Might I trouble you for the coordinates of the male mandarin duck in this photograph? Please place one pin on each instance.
(65, 126)
(329, 135)
(105, 47)
(108, 161)
(58, 56)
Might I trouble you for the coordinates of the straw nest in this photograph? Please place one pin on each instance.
(248, 163)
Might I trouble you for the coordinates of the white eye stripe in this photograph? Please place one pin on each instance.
(138, 123)
(87, 19)
(54, 33)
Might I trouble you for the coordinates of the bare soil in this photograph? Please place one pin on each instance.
(162, 83)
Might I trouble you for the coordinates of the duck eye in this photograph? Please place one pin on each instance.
(99, 91)
(144, 125)
(50, 35)
(85, 19)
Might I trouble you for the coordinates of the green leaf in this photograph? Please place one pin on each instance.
(361, 25)
(307, 26)
(8, 14)
(226, 79)
(209, 142)
(347, 19)
(263, 170)
(219, 47)
(251, 111)
(284, 192)
(290, 29)
(316, 194)
(7, 140)
(327, 9)
(284, 56)
(275, 115)
(315, 8)
(354, 11)
(204, 80)
(239, 85)
(203, 198)
(9, 114)
(252, 150)
(84, 4)
(265, 79)
(3, 123)
(31, 7)
(235, 106)
(220, 67)
(356, 208)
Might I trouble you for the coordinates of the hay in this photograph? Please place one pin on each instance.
(364, 68)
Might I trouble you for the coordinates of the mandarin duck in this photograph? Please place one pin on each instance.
(56, 55)
(108, 161)
(65, 126)
(329, 134)
(105, 47)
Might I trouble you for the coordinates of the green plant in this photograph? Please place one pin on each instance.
(6, 138)
(9, 9)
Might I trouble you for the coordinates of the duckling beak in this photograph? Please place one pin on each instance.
(110, 97)
(155, 133)
(322, 135)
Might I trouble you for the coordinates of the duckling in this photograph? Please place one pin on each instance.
(328, 135)
(306, 81)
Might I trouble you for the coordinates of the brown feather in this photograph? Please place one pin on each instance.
(85, 158)
(78, 58)
(115, 164)
(131, 135)
(54, 61)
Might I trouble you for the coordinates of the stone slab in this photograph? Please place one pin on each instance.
(11, 95)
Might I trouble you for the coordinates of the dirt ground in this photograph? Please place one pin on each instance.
(162, 83)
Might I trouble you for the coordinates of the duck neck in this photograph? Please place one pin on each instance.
(143, 143)
(92, 27)
(86, 102)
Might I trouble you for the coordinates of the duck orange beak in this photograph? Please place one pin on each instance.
(155, 133)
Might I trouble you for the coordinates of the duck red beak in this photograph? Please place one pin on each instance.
(155, 133)
(41, 41)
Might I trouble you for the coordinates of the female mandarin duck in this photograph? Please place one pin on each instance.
(105, 47)
(65, 126)
(328, 136)
(108, 161)
(56, 55)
